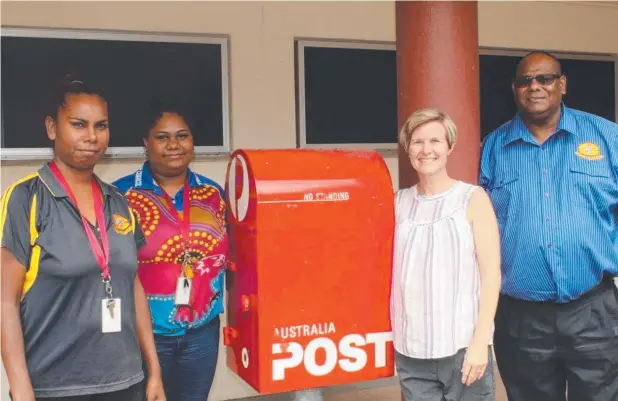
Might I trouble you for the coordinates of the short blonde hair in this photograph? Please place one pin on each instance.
(424, 116)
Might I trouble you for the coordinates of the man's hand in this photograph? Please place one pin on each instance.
(475, 363)
(154, 389)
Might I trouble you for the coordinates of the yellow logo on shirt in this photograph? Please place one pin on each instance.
(589, 151)
(121, 224)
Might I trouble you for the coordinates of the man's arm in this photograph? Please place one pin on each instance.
(485, 170)
(613, 140)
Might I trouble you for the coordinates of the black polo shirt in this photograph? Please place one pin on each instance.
(66, 351)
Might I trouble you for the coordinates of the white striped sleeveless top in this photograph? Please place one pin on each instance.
(436, 281)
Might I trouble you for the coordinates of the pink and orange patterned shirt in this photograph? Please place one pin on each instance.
(160, 260)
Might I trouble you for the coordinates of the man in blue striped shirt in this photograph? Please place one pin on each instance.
(552, 175)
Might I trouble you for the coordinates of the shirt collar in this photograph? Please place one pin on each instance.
(568, 122)
(50, 181)
(518, 130)
(145, 180)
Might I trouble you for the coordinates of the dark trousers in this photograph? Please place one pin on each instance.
(546, 350)
(188, 362)
(133, 393)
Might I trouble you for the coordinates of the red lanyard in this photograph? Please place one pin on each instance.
(185, 221)
(101, 254)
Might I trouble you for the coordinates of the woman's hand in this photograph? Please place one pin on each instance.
(475, 362)
(24, 395)
(154, 389)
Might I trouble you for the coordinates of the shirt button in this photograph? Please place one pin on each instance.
(545, 171)
(547, 194)
(547, 219)
(549, 246)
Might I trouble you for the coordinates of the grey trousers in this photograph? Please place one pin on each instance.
(440, 379)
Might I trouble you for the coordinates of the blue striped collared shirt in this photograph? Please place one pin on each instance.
(557, 205)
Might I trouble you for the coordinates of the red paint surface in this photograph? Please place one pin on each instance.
(302, 259)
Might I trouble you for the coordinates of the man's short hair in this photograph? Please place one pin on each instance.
(541, 52)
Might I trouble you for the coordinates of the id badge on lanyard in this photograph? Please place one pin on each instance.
(184, 282)
(110, 315)
(110, 307)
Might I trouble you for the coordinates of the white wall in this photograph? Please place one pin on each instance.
(262, 63)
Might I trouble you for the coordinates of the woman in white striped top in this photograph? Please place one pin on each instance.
(446, 273)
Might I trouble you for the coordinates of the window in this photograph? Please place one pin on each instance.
(347, 92)
(135, 69)
(347, 95)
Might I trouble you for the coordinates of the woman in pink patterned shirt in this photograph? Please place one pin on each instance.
(182, 265)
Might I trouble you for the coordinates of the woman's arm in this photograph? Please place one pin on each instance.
(154, 387)
(13, 352)
(487, 243)
(144, 330)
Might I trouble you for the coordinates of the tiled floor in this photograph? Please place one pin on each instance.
(378, 390)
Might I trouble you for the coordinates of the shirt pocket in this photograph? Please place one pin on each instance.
(503, 190)
(593, 183)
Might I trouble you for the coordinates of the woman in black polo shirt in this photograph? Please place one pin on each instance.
(74, 314)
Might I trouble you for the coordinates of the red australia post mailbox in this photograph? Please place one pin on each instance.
(310, 273)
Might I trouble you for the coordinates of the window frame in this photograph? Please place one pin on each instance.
(18, 154)
(302, 43)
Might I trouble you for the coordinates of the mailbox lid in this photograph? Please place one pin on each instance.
(291, 172)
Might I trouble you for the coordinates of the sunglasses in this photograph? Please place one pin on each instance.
(543, 79)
